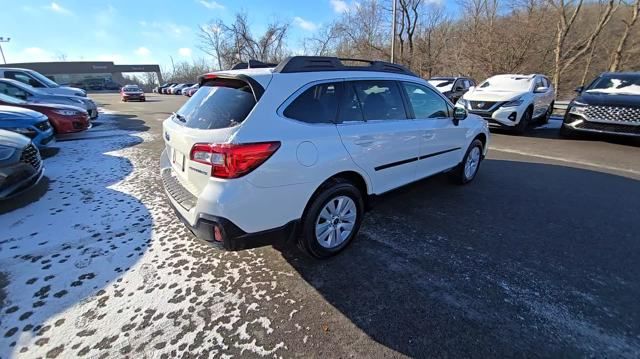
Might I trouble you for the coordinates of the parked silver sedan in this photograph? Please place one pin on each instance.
(27, 93)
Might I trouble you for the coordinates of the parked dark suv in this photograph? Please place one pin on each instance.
(610, 104)
(452, 87)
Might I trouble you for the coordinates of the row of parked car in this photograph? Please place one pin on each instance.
(33, 109)
(610, 104)
(186, 89)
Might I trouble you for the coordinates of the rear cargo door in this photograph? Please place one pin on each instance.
(211, 116)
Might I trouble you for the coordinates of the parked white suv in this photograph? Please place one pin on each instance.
(296, 151)
(40, 82)
(511, 101)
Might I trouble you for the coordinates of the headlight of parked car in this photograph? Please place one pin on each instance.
(514, 103)
(6, 152)
(66, 112)
(577, 108)
(23, 131)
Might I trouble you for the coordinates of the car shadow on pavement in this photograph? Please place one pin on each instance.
(529, 260)
(60, 251)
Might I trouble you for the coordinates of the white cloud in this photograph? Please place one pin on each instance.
(157, 29)
(184, 52)
(143, 51)
(55, 7)
(339, 6)
(304, 24)
(212, 4)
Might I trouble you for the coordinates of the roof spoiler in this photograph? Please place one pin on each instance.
(252, 64)
(255, 86)
(326, 63)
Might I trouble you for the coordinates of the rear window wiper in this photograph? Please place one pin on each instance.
(179, 117)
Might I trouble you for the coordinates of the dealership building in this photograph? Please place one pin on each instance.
(87, 72)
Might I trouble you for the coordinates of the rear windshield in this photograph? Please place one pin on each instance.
(218, 106)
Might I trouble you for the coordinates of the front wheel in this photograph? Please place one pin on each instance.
(521, 127)
(466, 171)
(332, 219)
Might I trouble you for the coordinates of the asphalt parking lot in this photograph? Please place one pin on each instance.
(537, 258)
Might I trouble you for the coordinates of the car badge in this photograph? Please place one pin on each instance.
(481, 104)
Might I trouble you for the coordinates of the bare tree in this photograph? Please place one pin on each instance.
(409, 15)
(234, 42)
(566, 56)
(622, 43)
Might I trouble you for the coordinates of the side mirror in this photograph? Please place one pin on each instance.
(579, 89)
(541, 89)
(21, 95)
(459, 114)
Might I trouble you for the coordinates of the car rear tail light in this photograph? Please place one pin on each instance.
(233, 160)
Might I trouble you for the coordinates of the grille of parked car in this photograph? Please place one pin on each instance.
(481, 105)
(611, 128)
(614, 114)
(31, 156)
(177, 191)
(43, 126)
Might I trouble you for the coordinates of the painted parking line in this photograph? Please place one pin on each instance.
(565, 160)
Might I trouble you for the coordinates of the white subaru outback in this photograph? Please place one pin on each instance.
(296, 151)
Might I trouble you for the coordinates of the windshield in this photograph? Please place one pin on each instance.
(215, 107)
(616, 84)
(44, 79)
(131, 89)
(506, 83)
(11, 100)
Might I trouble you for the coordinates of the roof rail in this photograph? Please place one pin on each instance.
(326, 63)
(252, 64)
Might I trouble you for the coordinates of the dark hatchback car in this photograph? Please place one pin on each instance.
(20, 164)
(452, 87)
(610, 104)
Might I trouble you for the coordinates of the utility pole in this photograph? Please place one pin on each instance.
(393, 32)
(2, 39)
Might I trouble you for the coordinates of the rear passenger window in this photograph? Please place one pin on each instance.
(380, 100)
(425, 103)
(318, 104)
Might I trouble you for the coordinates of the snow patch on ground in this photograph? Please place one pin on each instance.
(101, 266)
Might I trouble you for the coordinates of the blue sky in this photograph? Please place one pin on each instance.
(142, 31)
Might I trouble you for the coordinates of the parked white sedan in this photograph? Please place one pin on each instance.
(511, 101)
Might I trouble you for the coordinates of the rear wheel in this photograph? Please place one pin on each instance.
(466, 171)
(332, 219)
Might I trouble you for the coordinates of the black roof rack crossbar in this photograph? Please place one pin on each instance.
(326, 63)
(252, 64)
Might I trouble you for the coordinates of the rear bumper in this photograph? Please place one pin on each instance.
(231, 237)
(203, 216)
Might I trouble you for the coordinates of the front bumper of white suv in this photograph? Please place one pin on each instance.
(495, 112)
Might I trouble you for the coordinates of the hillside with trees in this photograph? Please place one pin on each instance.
(570, 41)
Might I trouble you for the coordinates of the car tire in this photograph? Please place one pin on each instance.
(522, 126)
(322, 227)
(547, 116)
(467, 170)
